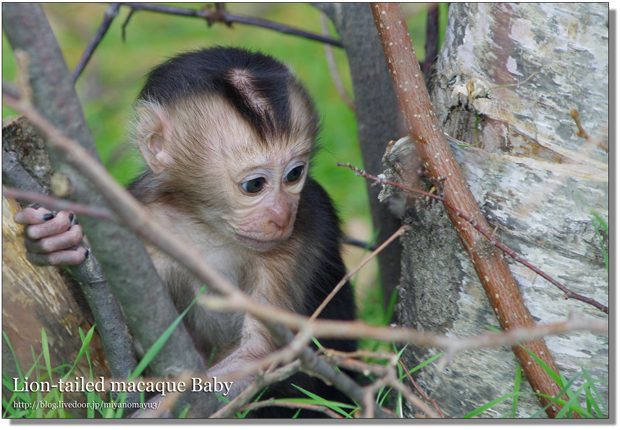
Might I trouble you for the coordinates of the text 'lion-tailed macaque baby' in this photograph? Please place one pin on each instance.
(228, 136)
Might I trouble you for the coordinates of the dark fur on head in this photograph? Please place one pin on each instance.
(257, 85)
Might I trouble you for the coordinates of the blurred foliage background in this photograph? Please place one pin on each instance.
(109, 84)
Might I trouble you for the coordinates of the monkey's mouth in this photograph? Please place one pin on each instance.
(259, 245)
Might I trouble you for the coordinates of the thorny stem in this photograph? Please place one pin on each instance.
(568, 293)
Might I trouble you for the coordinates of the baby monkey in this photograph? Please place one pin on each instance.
(227, 136)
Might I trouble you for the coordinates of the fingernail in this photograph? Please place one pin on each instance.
(71, 216)
(47, 217)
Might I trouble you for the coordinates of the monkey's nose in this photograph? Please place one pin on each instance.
(280, 220)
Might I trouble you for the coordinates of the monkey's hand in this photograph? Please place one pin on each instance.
(49, 237)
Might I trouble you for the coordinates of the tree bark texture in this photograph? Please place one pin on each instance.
(536, 181)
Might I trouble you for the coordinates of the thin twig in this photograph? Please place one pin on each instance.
(428, 399)
(388, 375)
(574, 113)
(333, 69)
(375, 355)
(369, 394)
(568, 293)
(125, 24)
(59, 204)
(349, 275)
(414, 400)
(516, 84)
(108, 17)
(220, 15)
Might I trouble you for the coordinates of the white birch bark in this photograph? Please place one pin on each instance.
(535, 180)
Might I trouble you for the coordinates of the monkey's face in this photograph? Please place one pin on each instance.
(245, 186)
(263, 197)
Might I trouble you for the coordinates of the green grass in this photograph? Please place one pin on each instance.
(594, 405)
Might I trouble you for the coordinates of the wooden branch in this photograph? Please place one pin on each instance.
(492, 269)
(349, 275)
(53, 203)
(13, 173)
(221, 15)
(108, 17)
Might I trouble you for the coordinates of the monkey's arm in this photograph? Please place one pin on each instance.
(255, 343)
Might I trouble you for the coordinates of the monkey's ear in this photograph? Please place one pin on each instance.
(154, 133)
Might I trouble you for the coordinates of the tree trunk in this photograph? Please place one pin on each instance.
(378, 119)
(537, 182)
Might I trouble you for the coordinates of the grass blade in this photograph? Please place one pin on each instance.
(517, 387)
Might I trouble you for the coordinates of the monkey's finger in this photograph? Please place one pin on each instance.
(59, 258)
(59, 224)
(57, 242)
(31, 215)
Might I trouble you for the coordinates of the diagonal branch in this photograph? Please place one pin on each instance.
(108, 17)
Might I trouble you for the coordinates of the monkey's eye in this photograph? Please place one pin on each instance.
(254, 185)
(295, 174)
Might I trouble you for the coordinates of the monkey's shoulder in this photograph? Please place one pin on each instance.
(316, 211)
